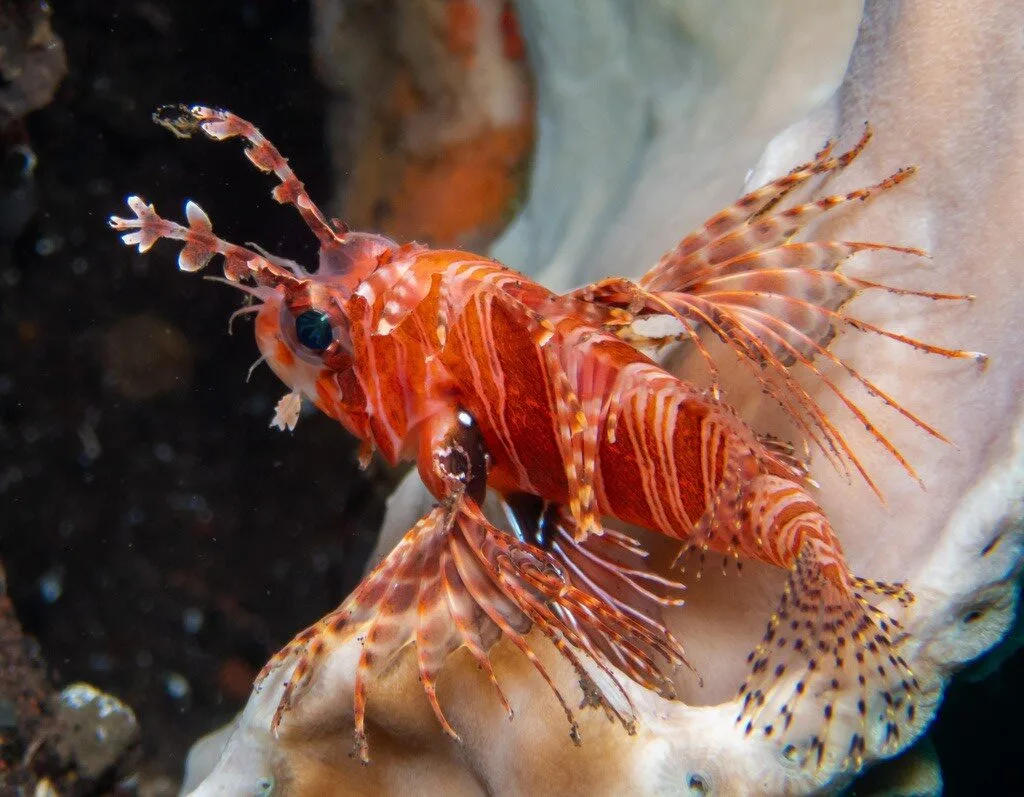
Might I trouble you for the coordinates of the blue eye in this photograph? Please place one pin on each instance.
(313, 330)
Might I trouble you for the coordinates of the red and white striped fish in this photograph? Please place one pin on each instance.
(489, 381)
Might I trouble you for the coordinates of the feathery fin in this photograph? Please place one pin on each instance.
(777, 303)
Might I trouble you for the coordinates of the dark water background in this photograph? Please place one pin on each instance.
(159, 540)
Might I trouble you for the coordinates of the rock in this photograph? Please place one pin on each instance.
(431, 118)
(32, 58)
(98, 728)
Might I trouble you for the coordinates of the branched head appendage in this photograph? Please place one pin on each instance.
(220, 125)
(345, 257)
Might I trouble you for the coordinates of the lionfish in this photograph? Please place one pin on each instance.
(489, 381)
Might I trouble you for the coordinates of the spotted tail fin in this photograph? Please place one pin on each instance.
(827, 679)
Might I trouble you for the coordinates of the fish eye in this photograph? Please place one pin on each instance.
(313, 330)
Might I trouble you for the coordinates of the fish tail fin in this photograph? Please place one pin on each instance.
(827, 679)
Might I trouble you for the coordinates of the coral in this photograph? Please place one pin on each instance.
(676, 106)
(431, 143)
